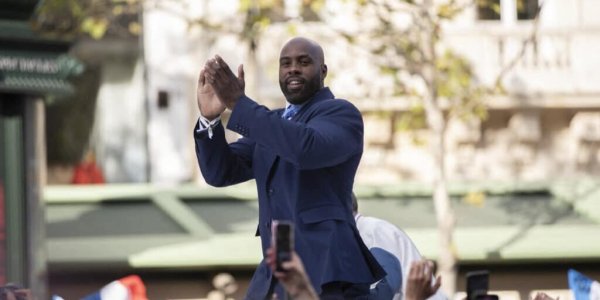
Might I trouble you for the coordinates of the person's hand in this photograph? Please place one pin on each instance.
(226, 85)
(543, 296)
(418, 284)
(294, 278)
(14, 292)
(209, 104)
(24, 294)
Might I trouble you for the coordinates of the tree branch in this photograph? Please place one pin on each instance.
(531, 39)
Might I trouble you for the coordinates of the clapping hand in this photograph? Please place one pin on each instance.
(228, 87)
(209, 104)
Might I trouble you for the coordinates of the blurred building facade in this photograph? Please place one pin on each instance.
(546, 126)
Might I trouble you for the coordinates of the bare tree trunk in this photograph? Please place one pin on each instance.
(437, 126)
(443, 206)
(252, 68)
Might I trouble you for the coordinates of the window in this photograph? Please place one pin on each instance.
(507, 10)
(527, 9)
(488, 9)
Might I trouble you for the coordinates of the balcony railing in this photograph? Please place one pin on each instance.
(553, 61)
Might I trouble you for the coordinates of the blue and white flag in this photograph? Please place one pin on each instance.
(583, 287)
(126, 288)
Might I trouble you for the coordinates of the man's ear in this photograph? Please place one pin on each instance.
(323, 71)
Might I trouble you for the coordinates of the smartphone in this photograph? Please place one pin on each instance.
(487, 297)
(283, 238)
(477, 284)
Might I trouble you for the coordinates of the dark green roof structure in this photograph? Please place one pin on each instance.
(187, 227)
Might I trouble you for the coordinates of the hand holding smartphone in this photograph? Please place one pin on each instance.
(283, 240)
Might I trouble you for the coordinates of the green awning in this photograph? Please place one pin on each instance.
(37, 72)
(36, 84)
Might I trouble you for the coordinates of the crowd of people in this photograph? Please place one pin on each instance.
(419, 285)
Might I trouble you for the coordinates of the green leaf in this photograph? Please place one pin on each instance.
(117, 10)
(292, 29)
(317, 5)
(95, 27)
(412, 119)
(388, 70)
(448, 10)
(134, 28)
(266, 4)
(495, 7)
(245, 5)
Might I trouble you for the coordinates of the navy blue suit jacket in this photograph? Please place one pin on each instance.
(304, 170)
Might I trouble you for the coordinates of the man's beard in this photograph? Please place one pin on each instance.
(308, 90)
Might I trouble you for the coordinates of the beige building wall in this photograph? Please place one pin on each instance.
(546, 127)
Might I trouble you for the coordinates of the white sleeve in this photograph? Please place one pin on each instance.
(382, 234)
(205, 124)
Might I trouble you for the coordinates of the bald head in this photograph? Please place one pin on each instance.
(302, 69)
(308, 45)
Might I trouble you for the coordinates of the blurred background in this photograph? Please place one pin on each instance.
(482, 136)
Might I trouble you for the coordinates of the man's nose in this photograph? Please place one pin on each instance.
(294, 68)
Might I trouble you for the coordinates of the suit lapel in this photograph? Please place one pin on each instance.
(321, 95)
(271, 159)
